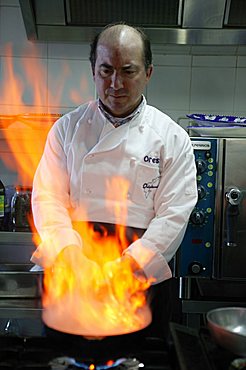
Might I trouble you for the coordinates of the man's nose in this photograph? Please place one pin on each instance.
(116, 81)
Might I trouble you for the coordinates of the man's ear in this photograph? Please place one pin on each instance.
(149, 71)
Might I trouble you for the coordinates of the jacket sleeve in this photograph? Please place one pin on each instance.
(51, 201)
(174, 201)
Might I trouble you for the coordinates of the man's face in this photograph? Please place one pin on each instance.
(120, 74)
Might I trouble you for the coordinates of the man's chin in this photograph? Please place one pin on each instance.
(118, 110)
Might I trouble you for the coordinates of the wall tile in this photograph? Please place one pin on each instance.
(169, 88)
(9, 3)
(240, 91)
(60, 110)
(70, 83)
(172, 60)
(23, 81)
(241, 61)
(240, 113)
(242, 50)
(212, 89)
(199, 78)
(167, 49)
(7, 176)
(13, 109)
(214, 50)
(214, 61)
(179, 116)
(12, 32)
(68, 51)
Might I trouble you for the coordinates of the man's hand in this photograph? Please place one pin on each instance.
(125, 278)
(73, 270)
(124, 262)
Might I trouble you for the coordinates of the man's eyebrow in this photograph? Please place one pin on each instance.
(108, 66)
(129, 66)
(105, 65)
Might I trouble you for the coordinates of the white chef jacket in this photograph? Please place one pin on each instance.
(82, 155)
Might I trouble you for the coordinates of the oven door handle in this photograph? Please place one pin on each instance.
(233, 197)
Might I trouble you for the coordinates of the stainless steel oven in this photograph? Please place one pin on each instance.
(215, 241)
(210, 263)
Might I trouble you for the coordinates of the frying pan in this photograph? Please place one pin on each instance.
(227, 326)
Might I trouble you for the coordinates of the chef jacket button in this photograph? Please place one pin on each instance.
(141, 128)
(89, 120)
(132, 162)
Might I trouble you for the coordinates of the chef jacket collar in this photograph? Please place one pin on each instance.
(118, 121)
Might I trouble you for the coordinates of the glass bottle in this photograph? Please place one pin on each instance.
(2, 202)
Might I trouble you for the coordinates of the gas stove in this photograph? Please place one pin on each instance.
(189, 349)
(47, 354)
(63, 363)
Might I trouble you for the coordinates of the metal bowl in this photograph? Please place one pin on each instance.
(227, 326)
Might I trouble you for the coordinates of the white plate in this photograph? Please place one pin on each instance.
(233, 131)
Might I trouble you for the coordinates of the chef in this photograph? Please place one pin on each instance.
(117, 135)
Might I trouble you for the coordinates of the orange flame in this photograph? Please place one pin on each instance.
(93, 291)
(25, 133)
(100, 290)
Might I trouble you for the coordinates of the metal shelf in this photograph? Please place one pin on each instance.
(16, 238)
(16, 247)
(20, 308)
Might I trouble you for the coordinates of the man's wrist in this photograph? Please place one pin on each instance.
(137, 270)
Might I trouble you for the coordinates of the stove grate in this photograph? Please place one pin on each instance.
(38, 353)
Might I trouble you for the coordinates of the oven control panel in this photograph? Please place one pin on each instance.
(195, 255)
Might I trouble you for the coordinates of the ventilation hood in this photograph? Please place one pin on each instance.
(202, 22)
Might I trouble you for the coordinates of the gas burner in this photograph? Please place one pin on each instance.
(238, 364)
(64, 363)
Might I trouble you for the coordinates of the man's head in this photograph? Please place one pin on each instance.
(121, 64)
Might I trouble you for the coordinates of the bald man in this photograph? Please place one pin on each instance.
(120, 135)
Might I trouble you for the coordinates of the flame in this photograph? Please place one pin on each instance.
(24, 127)
(109, 363)
(101, 290)
(25, 133)
(93, 291)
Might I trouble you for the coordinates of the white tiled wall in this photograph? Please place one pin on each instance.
(186, 79)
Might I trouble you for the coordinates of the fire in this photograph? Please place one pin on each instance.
(98, 298)
(25, 133)
(98, 294)
(24, 126)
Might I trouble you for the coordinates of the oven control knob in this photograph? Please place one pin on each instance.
(197, 217)
(201, 166)
(195, 268)
(201, 192)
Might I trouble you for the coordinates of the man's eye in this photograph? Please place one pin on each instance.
(105, 72)
(130, 72)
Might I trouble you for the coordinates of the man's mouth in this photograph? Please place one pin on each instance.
(118, 97)
(117, 94)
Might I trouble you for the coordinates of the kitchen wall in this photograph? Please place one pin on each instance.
(186, 79)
